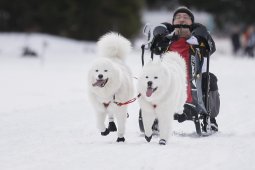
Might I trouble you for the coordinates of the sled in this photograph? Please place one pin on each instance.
(201, 120)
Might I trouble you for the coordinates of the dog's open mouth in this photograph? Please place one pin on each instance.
(100, 82)
(150, 90)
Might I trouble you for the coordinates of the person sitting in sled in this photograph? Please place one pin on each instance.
(194, 43)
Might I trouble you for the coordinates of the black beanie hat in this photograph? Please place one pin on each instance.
(183, 9)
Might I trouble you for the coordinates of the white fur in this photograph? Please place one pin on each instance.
(169, 77)
(113, 45)
(112, 48)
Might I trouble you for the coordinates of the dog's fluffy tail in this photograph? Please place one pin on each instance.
(113, 45)
(174, 57)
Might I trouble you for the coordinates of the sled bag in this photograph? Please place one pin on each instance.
(214, 96)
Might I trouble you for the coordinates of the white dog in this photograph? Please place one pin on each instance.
(162, 86)
(109, 81)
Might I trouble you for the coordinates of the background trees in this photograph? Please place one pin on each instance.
(88, 19)
(78, 19)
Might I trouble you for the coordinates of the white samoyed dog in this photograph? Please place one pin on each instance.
(162, 85)
(109, 81)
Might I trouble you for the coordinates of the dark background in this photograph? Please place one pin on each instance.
(88, 19)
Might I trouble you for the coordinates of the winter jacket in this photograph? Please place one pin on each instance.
(193, 50)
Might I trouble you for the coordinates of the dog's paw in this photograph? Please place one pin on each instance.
(148, 139)
(121, 139)
(105, 133)
(162, 142)
(112, 127)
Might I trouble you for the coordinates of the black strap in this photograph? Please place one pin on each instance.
(152, 55)
(143, 47)
(206, 118)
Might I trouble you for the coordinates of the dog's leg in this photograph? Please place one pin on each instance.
(111, 126)
(164, 122)
(148, 119)
(121, 117)
(100, 123)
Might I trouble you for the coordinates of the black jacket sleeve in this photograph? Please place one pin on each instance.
(201, 33)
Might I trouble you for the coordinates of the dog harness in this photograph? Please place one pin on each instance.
(122, 103)
(129, 101)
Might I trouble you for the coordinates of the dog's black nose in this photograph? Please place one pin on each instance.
(149, 83)
(100, 76)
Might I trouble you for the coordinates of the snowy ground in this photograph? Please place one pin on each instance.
(47, 122)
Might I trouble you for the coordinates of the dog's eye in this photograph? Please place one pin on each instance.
(105, 70)
(96, 70)
(155, 77)
(146, 77)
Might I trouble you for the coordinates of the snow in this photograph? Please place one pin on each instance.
(47, 122)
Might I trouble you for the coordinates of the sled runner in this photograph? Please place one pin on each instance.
(206, 101)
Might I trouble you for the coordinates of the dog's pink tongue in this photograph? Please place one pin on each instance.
(149, 92)
(98, 83)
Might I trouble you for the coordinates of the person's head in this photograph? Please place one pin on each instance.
(182, 15)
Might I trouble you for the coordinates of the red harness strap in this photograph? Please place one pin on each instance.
(127, 102)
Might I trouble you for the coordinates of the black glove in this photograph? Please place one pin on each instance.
(163, 29)
(159, 44)
(201, 33)
(160, 30)
(169, 26)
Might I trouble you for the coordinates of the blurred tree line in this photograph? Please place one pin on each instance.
(80, 19)
(89, 19)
